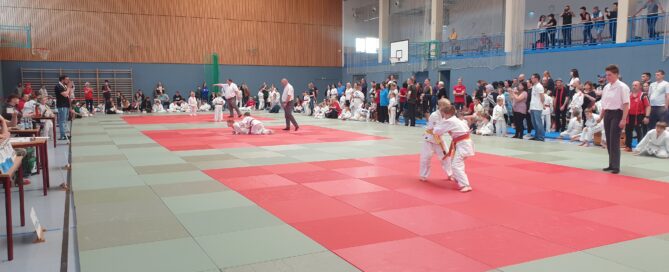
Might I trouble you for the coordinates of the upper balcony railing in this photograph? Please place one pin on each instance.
(640, 28)
(648, 29)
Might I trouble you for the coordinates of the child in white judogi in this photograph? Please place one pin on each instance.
(485, 127)
(346, 114)
(205, 107)
(498, 113)
(342, 100)
(546, 113)
(575, 126)
(158, 107)
(590, 127)
(361, 115)
(192, 104)
(320, 110)
(261, 100)
(218, 108)
(461, 147)
(434, 144)
(357, 99)
(655, 143)
(249, 125)
(576, 101)
(306, 110)
(392, 109)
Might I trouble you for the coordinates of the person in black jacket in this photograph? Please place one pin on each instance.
(412, 102)
(442, 93)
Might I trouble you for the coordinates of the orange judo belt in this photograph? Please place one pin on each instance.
(438, 141)
(454, 142)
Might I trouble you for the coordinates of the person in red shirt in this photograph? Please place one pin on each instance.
(88, 96)
(459, 93)
(22, 102)
(335, 109)
(638, 115)
(28, 89)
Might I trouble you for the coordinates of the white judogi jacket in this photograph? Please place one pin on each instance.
(218, 101)
(435, 119)
(575, 127)
(456, 128)
(654, 144)
(486, 129)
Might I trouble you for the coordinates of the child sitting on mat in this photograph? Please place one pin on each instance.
(575, 126)
(485, 127)
(248, 125)
(655, 143)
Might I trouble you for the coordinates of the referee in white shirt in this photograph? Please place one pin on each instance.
(615, 106)
(287, 100)
(230, 91)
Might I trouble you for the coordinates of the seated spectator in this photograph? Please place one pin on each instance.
(320, 110)
(158, 107)
(177, 98)
(11, 113)
(574, 128)
(590, 128)
(656, 142)
(346, 113)
(485, 126)
(334, 111)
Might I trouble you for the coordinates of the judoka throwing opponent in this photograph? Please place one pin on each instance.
(249, 125)
(461, 147)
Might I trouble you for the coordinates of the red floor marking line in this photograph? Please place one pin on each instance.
(380, 217)
(175, 119)
(220, 138)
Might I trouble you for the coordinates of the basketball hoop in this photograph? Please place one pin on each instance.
(393, 60)
(43, 53)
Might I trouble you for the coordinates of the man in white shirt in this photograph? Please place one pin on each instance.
(230, 91)
(615, 106)
(658, 95)
(537, 107)
(287, 100)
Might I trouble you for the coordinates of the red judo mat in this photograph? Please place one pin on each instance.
(377, 215)
(176, 119)
(218, 138)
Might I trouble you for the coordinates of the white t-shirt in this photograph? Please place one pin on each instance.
(537, 92)
(615, 95)
(572, 82)
(657, 93)
(229, 90)
(287, 91)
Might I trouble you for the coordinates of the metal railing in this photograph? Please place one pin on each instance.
(483, 45)
(592, 35)
(640, 28)
(646, 28)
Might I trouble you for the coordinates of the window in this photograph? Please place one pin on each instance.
(367, 45)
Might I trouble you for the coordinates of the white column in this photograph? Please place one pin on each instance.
(623, 13)
(384, 22)
(437, 20)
